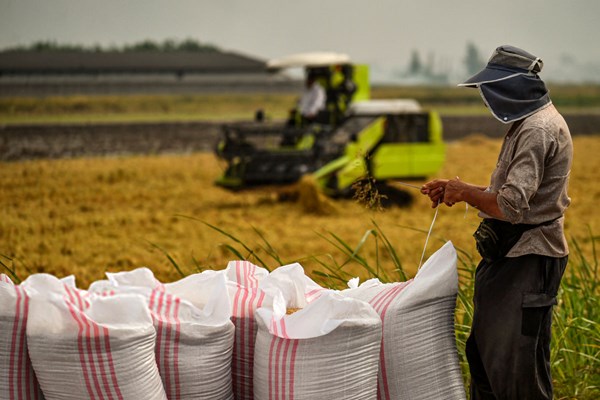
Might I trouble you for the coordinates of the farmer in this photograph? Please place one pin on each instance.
(310, 104)
(521, 238)
(313, 98)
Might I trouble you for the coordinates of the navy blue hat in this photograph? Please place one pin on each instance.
(506, 62)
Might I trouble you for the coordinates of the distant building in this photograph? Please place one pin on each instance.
(25, 73)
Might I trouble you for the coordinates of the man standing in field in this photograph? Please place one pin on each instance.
(521, 237)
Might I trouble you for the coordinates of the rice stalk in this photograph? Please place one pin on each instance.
(367, 193)
(11, 271)
(251, 256)
(171, 259)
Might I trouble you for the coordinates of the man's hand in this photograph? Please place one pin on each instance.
(447, 191)
(435, 190)
(454, 191)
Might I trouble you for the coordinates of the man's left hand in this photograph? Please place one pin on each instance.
(454, 191)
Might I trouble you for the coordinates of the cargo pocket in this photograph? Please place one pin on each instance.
(536, 309)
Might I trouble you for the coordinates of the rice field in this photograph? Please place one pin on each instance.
(85, 216)
(88, 216)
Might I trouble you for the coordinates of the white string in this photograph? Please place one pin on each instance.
(431, 228)
(437, 208)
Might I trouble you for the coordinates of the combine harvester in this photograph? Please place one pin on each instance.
(354, 139)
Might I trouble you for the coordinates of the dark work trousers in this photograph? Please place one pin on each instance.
(509, 346)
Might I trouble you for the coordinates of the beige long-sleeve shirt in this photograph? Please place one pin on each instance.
(531, 179)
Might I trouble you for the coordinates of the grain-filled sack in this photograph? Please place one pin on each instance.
(194, 340)
(17, 377)
(104, 350)
(252, 287)
(243, 280)
(419, 359)
(327, 350)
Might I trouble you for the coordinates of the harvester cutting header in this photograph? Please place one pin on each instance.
(349, 139)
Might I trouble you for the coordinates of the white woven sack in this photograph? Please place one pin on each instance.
(328, 350)
(243, 280)
(419, 359)
(295, 286)
(103, 351)
(194, 339)
(17, 377)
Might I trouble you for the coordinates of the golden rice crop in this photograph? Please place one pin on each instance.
(88, 216)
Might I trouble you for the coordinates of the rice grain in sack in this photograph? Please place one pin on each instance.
(194, 340)
(419, 359)
(328, 350)
(294, 285)
(104, 350)
(17, 377)
(243, 280)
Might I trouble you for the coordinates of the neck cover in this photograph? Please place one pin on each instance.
(515, 97)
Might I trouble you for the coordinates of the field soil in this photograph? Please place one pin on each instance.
(22, 141)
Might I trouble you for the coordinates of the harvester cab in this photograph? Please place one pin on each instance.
(352, 139)
(342, 82)
(262, 152)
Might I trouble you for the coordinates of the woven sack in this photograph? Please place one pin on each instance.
(17, 377)
(194, 340)
(419, 359)
(93, 347)
(327, 350)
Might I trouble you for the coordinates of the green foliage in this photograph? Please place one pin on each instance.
(10, 270)
(473, 60)
(575, 351)
(415, 65)
(168, 45)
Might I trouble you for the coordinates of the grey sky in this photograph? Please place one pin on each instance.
(382, 33)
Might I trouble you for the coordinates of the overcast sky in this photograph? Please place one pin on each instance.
(382, 33)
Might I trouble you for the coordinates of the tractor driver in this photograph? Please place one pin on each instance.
(312, 100)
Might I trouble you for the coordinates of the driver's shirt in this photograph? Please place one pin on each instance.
(312, 100)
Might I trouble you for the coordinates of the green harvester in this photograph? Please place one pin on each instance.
(352, 140)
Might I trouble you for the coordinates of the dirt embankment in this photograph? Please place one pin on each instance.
(20, 142)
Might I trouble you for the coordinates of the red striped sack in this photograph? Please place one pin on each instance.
(97, 348)
(418, 359)
(328, 350)
(17, 377)
(246, 297)
(194, 342)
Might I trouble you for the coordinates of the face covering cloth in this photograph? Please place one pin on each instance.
(515, 98)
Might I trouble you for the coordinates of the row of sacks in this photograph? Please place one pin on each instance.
(239, 333)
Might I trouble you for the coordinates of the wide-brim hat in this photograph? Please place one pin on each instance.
(506, 62)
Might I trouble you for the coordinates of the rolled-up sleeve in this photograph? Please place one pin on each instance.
(524, 172)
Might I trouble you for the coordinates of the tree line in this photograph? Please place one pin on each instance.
(165, 46)
(473, 62)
